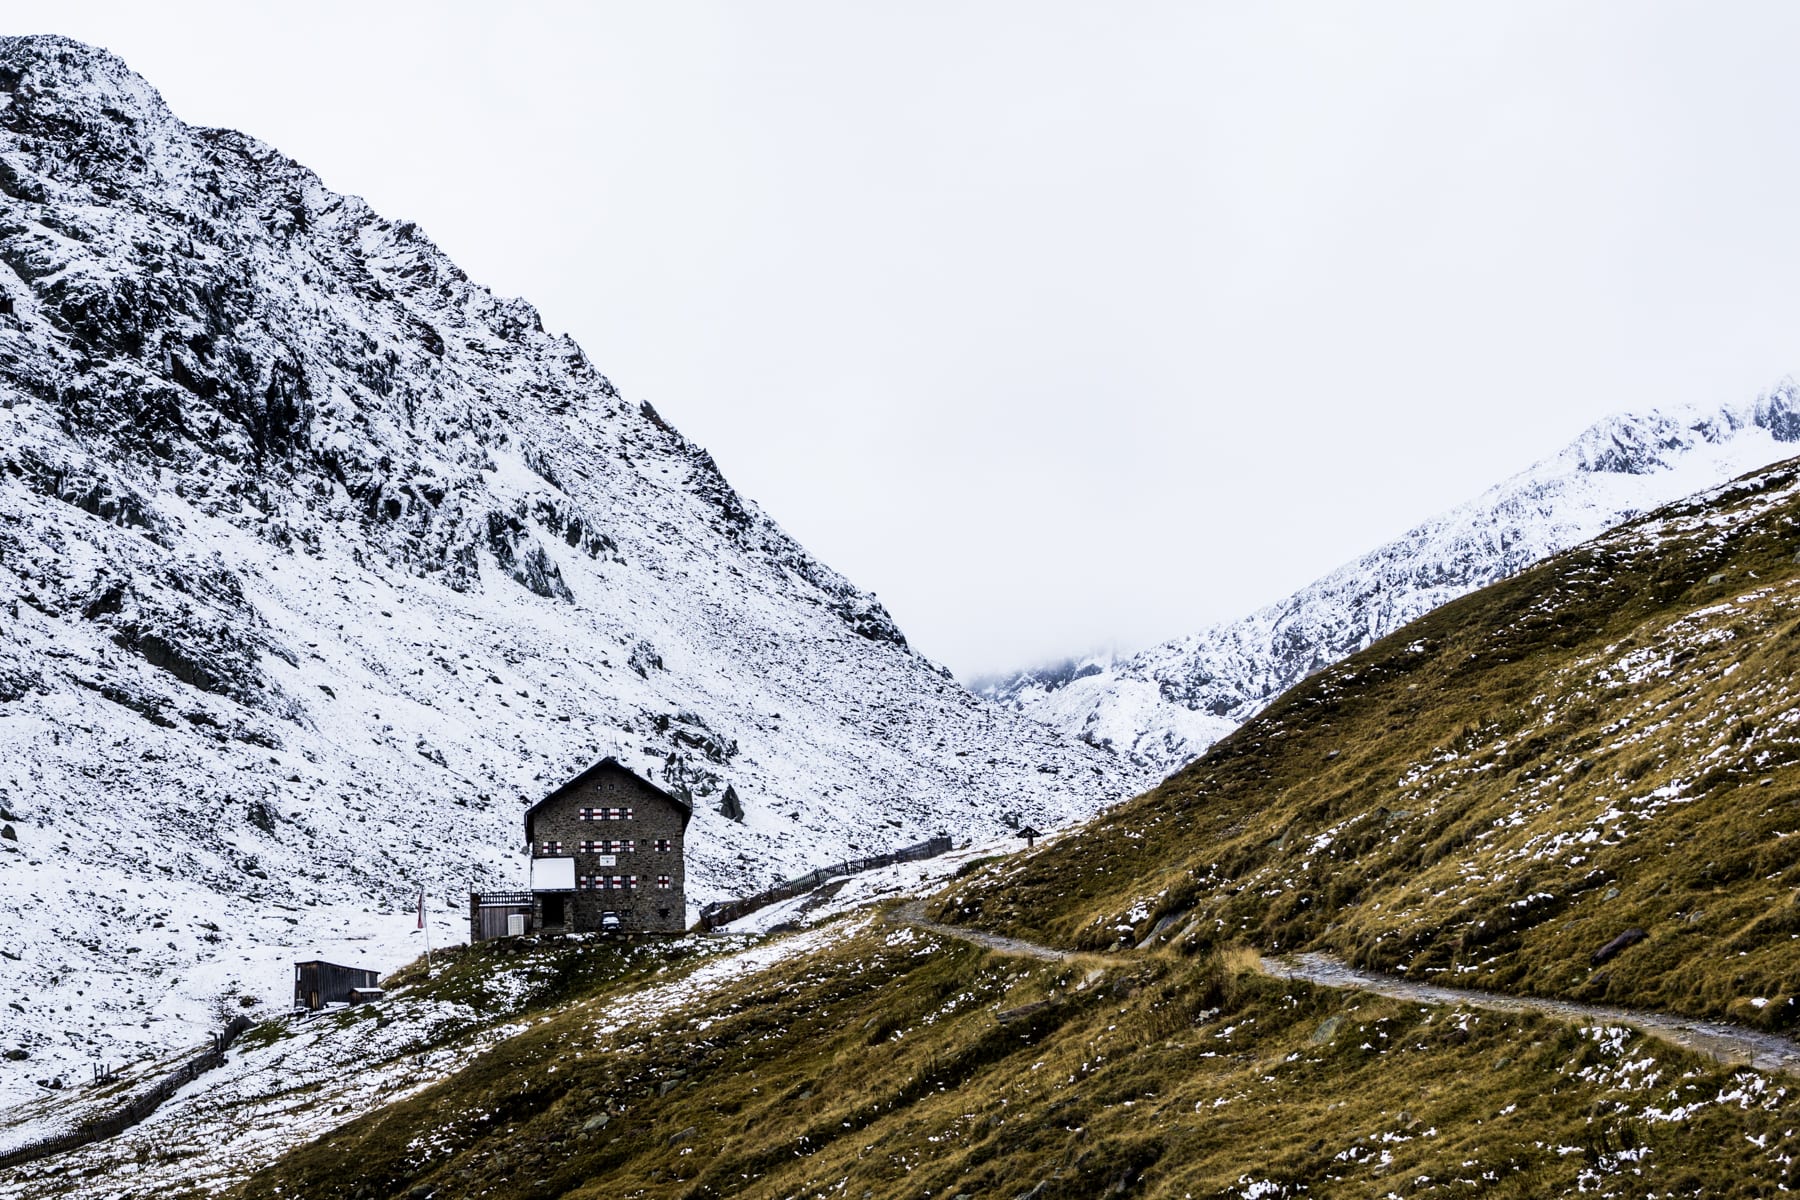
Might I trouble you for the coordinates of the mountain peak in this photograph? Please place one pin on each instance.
(77, 113)
(1641, 443)
(1166, 704)
(61, 74)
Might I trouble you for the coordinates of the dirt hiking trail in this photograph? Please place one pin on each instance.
(1715, 1039)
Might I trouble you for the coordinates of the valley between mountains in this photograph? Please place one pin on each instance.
(317, 560)
(1488, 799)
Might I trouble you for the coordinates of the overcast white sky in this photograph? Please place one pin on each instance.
(1064, 326)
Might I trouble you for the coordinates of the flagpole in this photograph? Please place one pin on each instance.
(423, 924)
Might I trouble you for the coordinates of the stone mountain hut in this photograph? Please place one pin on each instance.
(607, 855)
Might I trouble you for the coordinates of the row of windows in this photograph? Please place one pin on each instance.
(605, 846)
(607, 814)
(618, 883)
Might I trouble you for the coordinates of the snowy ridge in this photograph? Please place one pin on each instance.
(1164, 706)
(317, 561)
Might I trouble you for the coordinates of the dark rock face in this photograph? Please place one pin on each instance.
(1779, 412)
(194, 622)
(88, 486)
(520, 556)
(644, 659)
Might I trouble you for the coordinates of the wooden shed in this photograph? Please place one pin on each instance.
(499, 914)
(319, 983)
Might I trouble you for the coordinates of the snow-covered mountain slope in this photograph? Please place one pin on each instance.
(1165, 705)
(317, 561)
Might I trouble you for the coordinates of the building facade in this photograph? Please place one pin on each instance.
(607, 855)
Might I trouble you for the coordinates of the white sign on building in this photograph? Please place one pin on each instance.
(552, 874)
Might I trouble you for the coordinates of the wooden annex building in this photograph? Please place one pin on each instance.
(607, 856)
(319, 983)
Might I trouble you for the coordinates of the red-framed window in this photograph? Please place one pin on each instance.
(608, 814)
(664, 845)
(665, 881)
(548, 848)
(606, 883)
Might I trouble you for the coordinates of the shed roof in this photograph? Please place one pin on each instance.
(609, 763)
(319, 962)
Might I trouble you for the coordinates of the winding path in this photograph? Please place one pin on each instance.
(1715, 1039)
(914, 914)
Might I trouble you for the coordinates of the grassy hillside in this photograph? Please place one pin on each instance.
(1605, 743)
(898, 1064)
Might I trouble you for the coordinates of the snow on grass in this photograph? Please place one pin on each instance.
(315, 1074)
(902, 881)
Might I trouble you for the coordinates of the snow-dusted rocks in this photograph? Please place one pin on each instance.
(317, 559)
(1166, 705)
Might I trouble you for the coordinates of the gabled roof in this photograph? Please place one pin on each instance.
(609, 763)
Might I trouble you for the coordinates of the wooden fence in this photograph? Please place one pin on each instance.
(725, 912)
(130, 1113)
